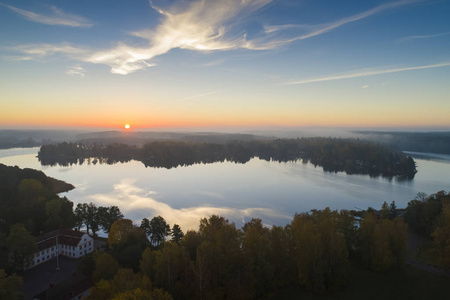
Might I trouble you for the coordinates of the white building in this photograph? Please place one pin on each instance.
(70, 243)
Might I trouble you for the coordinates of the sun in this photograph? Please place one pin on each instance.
(127, 126)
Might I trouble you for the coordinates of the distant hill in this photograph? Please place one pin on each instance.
(140, 138)
(432, 142)
(33, 138)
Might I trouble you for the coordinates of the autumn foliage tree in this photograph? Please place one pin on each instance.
(10, 286)
(441, 236)
(106, 267)
(127, 242)
(126, 285)
(382, 243)
(22, 246)
(220, 261)
(120, 231)
(256, 248)
(319, 249)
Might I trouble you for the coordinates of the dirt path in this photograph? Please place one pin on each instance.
(414, 243)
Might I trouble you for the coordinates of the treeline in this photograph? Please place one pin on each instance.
(220, 261)
(432, 142)
(94, 218)
(334, 155)
(429, 216)
(13, 142)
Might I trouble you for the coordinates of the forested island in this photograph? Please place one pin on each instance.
(333, 155)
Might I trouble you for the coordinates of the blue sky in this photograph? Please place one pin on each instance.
(203, 64)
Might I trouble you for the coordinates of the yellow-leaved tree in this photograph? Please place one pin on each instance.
(441, 236)
(319, 249)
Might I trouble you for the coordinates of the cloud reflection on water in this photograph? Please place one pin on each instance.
(137, 203)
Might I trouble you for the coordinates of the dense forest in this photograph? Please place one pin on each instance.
(29, 197)
(318, 252)
(30, 205)
(334, 155)
(220, 261)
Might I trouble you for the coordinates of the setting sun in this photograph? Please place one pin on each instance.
(127, 126)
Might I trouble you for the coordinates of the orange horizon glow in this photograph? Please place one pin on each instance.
(167, 124)
(307, 117)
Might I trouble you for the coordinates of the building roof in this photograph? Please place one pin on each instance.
(65, 237)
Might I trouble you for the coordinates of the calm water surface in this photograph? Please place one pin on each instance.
(271, 191)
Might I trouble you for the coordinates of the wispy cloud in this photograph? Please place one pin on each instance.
(76, 71)
(214, 63)
(203, 25)
(315, 30)
(37, 50)
(57, 17)
(18, 58)
(200, 96)
(364, 74)
(418, 37)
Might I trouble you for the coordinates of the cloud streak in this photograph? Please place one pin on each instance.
(205, 26)
(58, 17)
(364, 74)
(315, 30)
(76, 71)
(200, 95)
(40, 50)
(419, 37)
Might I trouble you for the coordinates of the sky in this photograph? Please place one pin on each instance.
(174, 64)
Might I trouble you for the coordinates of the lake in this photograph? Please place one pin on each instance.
(271, 191)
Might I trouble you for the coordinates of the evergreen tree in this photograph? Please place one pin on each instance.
(177, 234)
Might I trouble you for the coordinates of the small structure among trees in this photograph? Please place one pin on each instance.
(70, 243)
